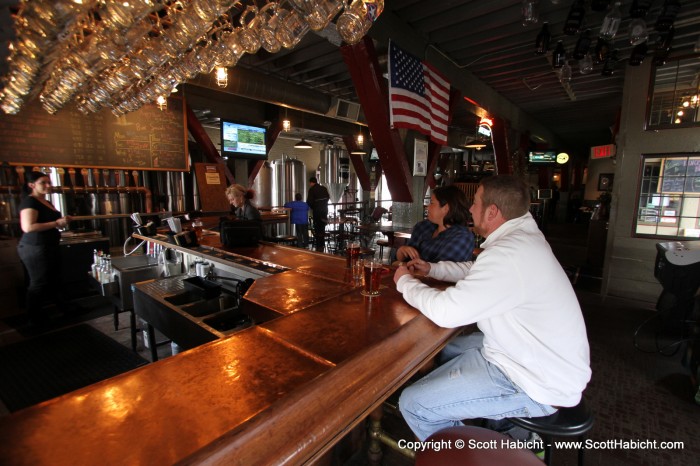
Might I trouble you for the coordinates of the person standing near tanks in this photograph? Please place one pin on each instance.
(318, 202)
(38, 248)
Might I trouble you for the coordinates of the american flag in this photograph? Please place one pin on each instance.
(419, 96)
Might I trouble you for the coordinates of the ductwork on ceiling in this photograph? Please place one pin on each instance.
(257, 86)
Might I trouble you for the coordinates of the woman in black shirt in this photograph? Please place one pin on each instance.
(38, 248)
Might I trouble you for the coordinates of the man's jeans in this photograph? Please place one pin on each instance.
(465, 386)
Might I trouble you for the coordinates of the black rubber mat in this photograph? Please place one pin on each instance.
(41, 368)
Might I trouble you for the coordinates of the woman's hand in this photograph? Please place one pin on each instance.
(63, 222)
(407, 252)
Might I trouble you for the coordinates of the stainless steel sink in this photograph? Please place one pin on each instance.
(182, 299)
(224, 302)
(229, 320)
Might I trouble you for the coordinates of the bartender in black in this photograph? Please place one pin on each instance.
(38, 248)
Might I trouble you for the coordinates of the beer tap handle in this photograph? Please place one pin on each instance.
(96, 177)
(71, 176)
(105, 172)
(20, 174)
(135, 173)
(84, 172)
(61, 178)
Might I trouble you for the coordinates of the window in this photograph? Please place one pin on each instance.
(669, 196)
(675, 95)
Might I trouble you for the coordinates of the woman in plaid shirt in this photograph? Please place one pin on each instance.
(444, 236)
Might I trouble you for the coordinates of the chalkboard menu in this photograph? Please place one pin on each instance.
(147, 139)
(681, 175)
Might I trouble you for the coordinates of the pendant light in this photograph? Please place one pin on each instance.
(221, 76)
(162, 102)
(286, 124)
(360, 141)
(302, 144)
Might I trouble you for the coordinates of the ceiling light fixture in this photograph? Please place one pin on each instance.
(162, 103)
(221, 76)
(303, 144)
(286, 124)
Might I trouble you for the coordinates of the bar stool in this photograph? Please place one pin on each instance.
(381, 243)
(468, 455)
(566, 422)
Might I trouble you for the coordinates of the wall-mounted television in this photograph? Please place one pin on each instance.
(242, 141)
(542, 156)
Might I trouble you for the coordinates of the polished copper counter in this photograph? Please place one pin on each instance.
(280, 393)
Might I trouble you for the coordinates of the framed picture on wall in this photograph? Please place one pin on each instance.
(420, 157)
(605, 181)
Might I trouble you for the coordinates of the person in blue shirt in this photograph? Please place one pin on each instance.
(300, 219)
(444, 236)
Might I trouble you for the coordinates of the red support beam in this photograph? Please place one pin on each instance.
(357, 163)
(371, 88)
(501, 152)
(202, 138)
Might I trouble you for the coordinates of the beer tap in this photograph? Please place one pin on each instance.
(20, 174)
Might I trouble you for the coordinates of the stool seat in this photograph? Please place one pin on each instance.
(484, 456)
(566, 422)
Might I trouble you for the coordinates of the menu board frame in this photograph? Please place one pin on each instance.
(146, 139)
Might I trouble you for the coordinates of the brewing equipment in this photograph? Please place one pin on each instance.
(288, 177)
(263, 186)
(335, 170)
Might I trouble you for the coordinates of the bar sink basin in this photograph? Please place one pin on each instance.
(224, 302)
(229, 320)
(183, 298)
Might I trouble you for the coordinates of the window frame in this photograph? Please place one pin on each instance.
(681, 217)
(675, 62)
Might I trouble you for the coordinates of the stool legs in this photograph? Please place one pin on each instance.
(374, 451)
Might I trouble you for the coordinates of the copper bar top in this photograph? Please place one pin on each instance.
(280, 393)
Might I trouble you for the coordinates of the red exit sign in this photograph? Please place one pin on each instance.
(601, 152)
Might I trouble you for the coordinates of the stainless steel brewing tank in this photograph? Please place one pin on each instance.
(288, 178)
(263, 186)
(335, 170)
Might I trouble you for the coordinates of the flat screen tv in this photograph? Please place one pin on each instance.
(242, 141)
(544, 156)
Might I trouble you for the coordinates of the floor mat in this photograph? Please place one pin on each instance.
(84, 309)
(41, 368)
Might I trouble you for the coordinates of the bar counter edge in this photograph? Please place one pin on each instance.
(298, 427)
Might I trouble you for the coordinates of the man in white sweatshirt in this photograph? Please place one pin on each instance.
(531, 353)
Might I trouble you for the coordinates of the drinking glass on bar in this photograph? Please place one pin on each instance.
(352, 253)
(197, 226)
(357, 271)
(372, 276)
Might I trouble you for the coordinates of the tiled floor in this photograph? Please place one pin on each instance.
(635, 395)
